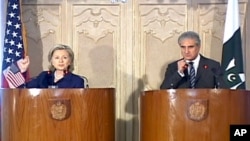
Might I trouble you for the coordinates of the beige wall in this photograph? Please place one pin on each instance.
(126, 45)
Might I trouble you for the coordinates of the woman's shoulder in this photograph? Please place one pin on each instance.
(75, 76)
(43, 73)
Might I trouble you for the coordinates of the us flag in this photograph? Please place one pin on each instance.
(13, 49)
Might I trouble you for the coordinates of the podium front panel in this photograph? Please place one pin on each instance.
(192, 114)
(58, 114)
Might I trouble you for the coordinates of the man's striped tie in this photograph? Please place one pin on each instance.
(192, 75)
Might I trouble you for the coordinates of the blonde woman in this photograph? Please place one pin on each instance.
(59, 75)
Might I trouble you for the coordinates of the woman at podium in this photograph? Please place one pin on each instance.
(59, 75)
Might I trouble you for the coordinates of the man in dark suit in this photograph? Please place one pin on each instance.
(206, 72)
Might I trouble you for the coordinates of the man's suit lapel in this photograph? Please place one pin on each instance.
(201, 67)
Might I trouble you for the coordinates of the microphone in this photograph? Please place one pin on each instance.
(65, 72)
(217, 73)
(185, 66)
(51, 83)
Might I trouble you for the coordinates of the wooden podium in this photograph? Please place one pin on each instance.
(192, 114)
(58, 114)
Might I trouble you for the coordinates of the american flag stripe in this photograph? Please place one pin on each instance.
(14, 79)
(17, 79)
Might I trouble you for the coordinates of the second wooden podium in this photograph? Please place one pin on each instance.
(58, 114)
(192, 114)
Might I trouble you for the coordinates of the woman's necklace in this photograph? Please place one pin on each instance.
(57, 77)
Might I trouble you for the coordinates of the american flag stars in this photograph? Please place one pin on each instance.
(13, 46)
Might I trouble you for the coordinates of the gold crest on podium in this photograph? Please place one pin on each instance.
(197, 109)
(60, 109)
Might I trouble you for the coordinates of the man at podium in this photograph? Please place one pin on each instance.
(193, 70)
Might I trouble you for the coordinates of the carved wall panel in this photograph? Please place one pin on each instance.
(95, 32)
(42, 33)
(161, 25)
(210, 22)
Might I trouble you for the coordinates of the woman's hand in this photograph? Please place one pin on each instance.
(23, 64)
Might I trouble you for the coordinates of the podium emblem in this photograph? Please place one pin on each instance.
(197, 109)
(60, 109)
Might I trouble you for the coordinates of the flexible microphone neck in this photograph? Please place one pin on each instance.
(51, 83)
(217, 74)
